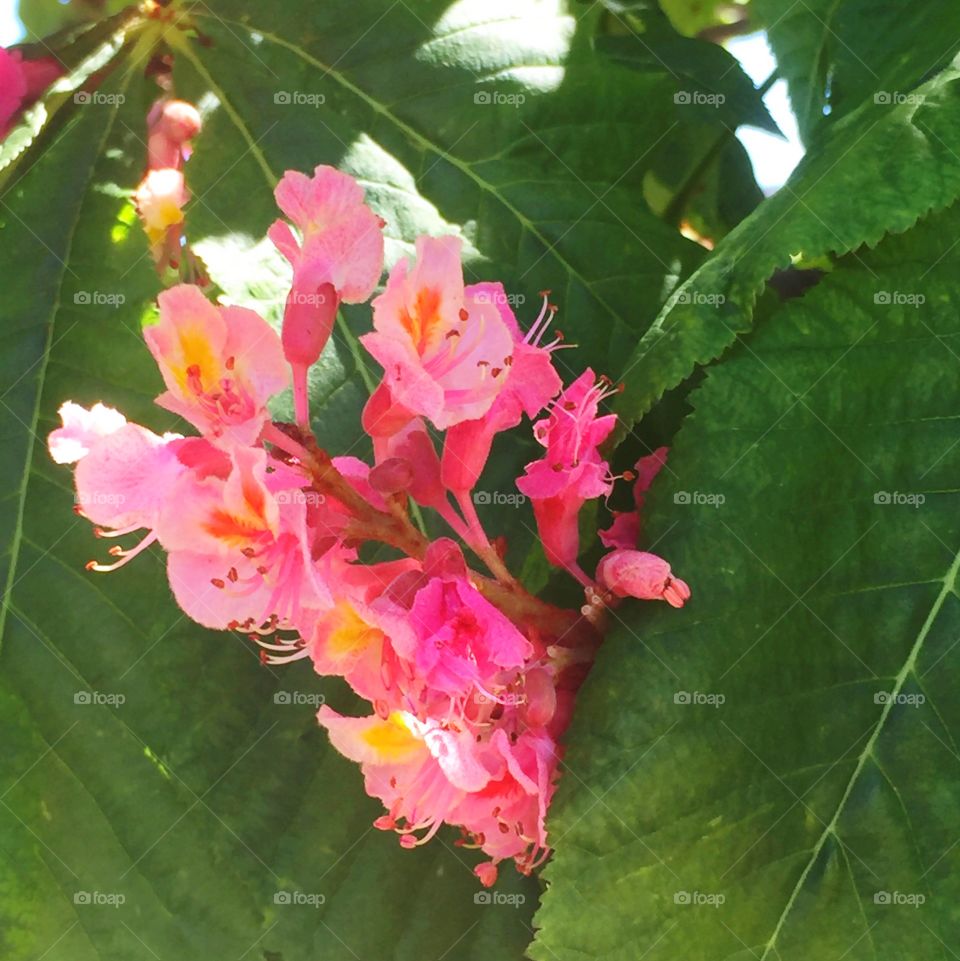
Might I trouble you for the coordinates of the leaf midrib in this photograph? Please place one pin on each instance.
(949, 583)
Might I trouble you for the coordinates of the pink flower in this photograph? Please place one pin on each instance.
(455, 640)
(22, 82)
(571, 471)
(445, 349)
(625, 529)
(239, 552)
(419, 770)
(81, 429)
(171, 125)
(340, 259)
(220, 364)
(628, 573)
(507, 815)
(13, 89)
(160, 199)
(531, 382)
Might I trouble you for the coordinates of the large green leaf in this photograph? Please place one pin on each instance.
(880, 169)
(835, 54)
(772, 772)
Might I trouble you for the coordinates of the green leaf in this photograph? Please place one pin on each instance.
(771, 772)
(880, 169)
(835, 54)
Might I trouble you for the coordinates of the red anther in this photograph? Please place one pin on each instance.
(115, 551)
(452, 333)
(248, 552)
(232, 575)
(544, 293)
(99, 532)
(464, 315)
(193, 370)
(629, 475)
(78, 510)
(90, 565)
(264, 657)
(230, 363)
(233, 625)
(217, 582)
(504, 828)
(508, 361)
(496, 372)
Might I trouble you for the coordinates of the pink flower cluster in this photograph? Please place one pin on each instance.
(470, 678)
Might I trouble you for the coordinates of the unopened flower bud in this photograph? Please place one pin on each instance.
(307, 323)
(645, 576)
